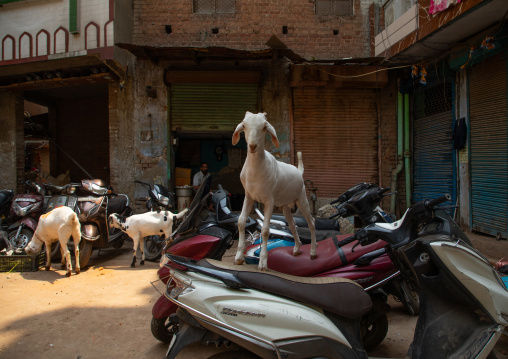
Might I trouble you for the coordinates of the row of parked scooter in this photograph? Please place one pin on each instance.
(306, 309)
(93, 201)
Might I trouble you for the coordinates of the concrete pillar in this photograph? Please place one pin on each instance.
(12, 143)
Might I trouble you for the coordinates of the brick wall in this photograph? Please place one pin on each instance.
(250, 27)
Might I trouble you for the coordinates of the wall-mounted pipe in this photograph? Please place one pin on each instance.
(400, 149)
(407, 151)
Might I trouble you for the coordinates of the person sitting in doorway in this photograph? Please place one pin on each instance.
(198, 177)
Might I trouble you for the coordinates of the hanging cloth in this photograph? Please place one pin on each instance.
(440, 5)
(459, 133)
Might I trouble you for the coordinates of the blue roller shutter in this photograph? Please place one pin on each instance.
(433, 153)
(489, 146)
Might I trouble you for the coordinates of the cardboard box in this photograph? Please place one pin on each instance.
(182, 172)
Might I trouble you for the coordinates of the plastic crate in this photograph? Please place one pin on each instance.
(22, 263)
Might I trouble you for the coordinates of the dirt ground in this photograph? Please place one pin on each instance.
(105, 312)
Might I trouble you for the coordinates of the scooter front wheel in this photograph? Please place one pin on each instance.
(24, 237)
(373, 330)
(163, 329)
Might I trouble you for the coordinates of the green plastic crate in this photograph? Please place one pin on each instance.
(22, 263)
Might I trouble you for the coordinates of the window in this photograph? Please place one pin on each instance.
(334, 7)
(214, 6)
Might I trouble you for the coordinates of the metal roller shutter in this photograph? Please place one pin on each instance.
(210, 107)
(489, 146)
(433, 153)
(336, 131)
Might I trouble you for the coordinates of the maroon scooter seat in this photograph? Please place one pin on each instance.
(329, 256)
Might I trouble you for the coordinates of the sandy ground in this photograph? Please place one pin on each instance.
(105, 312)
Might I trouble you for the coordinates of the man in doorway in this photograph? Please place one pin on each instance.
(198, 177)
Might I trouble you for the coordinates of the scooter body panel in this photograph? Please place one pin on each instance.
(268, 317)
(478, 276)
(197, 247)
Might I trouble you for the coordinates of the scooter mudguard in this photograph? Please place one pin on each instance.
(329, 256)
(90, 232)
(195, 248)
(163, 308)
(26, 222)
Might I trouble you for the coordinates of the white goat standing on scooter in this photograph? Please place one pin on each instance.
(270, 182)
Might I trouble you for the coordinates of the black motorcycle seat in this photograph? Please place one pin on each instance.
(336, 295)
(117, 204)
(5, 196)
(320, 223)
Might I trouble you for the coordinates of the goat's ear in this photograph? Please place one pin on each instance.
(273, 134)
(236, 135)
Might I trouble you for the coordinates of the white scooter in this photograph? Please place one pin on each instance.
(464, 301)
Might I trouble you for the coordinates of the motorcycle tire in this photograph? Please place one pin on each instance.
(235, 354)
(373, 330)
(163, 329)
(153, 248)
(25, 236)
(85, 251)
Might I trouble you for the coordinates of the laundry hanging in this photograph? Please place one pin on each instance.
(440, 5)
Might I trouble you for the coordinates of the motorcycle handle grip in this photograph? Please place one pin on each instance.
(433, 203)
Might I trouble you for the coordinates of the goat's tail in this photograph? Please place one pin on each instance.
(182, 213)
(76, 228)
(300, 162)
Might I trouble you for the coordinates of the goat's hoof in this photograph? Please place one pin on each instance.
(239, 262)
(133, 265)
(141, 263)
(297, 253)
(68, 274)
(313, 256)
(78, 271)
(47, 267)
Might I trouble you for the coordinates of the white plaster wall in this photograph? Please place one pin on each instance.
(399, 29)
(33, 16)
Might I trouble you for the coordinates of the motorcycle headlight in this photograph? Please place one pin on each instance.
(22, 211)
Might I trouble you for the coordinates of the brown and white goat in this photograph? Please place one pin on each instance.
(270, 182)
(58, 225)
(139, 226)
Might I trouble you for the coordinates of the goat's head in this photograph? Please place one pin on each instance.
(255, 127)
(34, 247)
(113, 220)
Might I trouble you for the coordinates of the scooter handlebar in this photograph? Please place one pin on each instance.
(358, 236)
(430, 204)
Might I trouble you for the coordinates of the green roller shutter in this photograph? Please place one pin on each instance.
(211, 107)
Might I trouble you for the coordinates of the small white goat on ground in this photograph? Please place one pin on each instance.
(58, 225)
(139, 226)
(270, 182)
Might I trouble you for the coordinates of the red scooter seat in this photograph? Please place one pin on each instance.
(329, 256)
